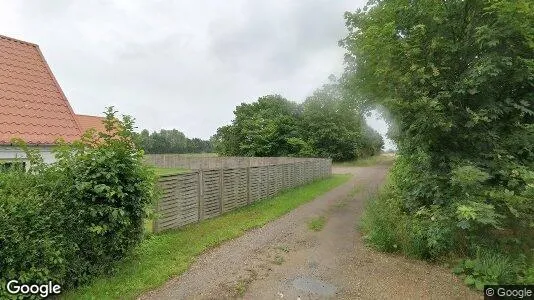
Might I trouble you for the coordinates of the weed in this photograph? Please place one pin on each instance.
(317, 224)
(345, 201)
(382, 224)
(278, 260)
(529, 276)
(240, 288)
(242, 284)
(489, 267)
(341, 204)
(284, 248)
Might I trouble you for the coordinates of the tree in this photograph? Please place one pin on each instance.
(334, 129)
(324, 125)
(457, 78)
(171, 141)
(263, 128)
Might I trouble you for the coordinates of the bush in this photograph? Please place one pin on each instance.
(467, 227)
(31, 248)
(76, 218)
(463, 119)
(383, 223)
(389, 226)
(490, 268)
(529, 276)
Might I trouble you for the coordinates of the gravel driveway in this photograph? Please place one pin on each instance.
(286, 260)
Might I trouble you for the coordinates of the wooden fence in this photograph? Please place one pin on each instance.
(204, 194)
(218, 162)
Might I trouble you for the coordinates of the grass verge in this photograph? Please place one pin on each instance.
(388, 228)
(168, 254)
(169, 171)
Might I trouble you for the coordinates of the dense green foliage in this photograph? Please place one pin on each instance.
(171, 141)
(457, 80)
(334, 128)
(268, 127)
(76, 218)
(323, 126)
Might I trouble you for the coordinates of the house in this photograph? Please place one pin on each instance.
(90, 122)
(32, 105)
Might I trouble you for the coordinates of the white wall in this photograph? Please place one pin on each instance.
(10, 153)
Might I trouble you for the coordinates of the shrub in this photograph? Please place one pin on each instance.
(383, 223)
(462, 115)
(489, 267)
(467, 226)
(31, 248)
(529, 276)
(74, 219)
(389, 227)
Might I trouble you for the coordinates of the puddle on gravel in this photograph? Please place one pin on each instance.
(311, 285)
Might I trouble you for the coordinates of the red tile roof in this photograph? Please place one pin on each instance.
(91, 122)
(32, 104)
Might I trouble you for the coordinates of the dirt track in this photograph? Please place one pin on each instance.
(287, 260)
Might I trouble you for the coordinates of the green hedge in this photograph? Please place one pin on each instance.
(456, 80)
(75, 218)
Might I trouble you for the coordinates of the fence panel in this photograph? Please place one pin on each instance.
(207, 193)
(211, 193)
(234, 193)
(179, 203)
(264, 182)
(255, 183)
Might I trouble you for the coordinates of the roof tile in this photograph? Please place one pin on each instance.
(91, 122)
(32, 105)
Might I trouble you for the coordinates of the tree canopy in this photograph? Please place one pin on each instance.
(323, 126)
(457, 79)
(171, 141)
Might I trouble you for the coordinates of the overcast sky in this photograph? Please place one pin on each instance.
(183, 64)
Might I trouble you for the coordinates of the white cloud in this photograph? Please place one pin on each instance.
(182, 64)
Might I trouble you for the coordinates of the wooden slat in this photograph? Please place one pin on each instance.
(186, 198)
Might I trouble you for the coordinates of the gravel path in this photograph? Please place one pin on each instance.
(286, 260)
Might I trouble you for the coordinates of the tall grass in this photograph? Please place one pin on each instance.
(489, 266)
(384, 225)
(388, 228)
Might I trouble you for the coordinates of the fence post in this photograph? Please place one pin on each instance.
(155, 220)
(200, 192)
(248, 185)
(221, 185)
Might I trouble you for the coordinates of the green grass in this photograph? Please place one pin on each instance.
(169, 171)
(317, 224)
(383, 159)
(199, 154)
(342, 203)
(489, 267)
(162, 256)
(384, 224)
(149, 225)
